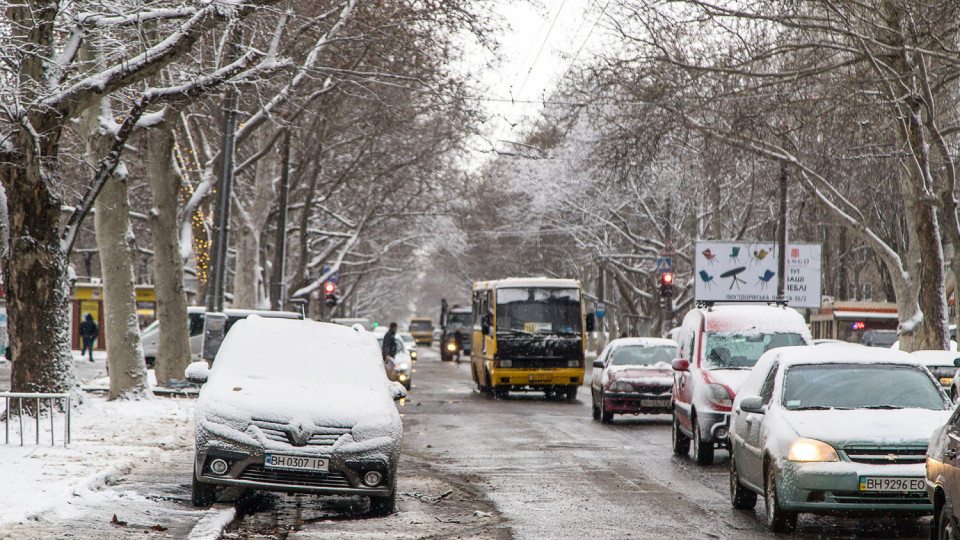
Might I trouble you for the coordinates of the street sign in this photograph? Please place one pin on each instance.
(334, 277)
(600, 308)
(664, 265)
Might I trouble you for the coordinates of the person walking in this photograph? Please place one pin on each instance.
(389, 350)
(89, 331)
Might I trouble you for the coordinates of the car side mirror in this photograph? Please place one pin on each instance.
(956, 362)
(398, 391)
(753, 404)
(591, 322)
(598, 364)
(681, 364)
(197, 372)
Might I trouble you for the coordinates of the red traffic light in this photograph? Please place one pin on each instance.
(666, 278)
(329, 287)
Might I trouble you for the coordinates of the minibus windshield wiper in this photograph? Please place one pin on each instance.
(515, 331)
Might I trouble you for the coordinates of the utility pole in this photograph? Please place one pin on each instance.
(667, 321)
(601, 297)
(782, 237)
(277, 285)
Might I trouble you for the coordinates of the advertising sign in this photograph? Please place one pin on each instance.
(747, 271)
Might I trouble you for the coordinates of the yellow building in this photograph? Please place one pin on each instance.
(88, 298)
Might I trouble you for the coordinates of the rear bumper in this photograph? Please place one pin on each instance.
(536, 377)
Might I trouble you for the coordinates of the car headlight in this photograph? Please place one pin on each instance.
(403, 367)
(506, 363)
(621, 386)
(451, 346)
(573, 363)
(718, 395)
(413, 354)
(812, 450)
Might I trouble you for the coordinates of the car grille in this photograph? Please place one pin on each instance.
(280, 432)
(646, 389)
(887, 454)
(256, 473)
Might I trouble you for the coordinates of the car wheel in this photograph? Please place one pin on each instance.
(606, 416)
(947, 525)
(702, 451)
(571, 393)
(386, 505)
(203, 495)
(501, 392)
(681, 443)
(150, 361)
(596, 412)
(778, 519)
(740, 497)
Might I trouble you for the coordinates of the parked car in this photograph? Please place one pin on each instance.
(943, 365)
(317, 418)
(878, 338)
(943, 478)
(633, 376)
(719, 344)
(411, 344)
(150, 336)
(422, 330)
(402, 370)
(833, 429)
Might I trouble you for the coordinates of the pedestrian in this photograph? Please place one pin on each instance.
(88, 332)
(390, 344)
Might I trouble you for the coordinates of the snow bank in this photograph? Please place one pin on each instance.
(108, 438)
(210, 526)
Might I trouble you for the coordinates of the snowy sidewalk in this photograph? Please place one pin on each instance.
(45, 485)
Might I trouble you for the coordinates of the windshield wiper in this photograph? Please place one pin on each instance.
(818, 408)
(882, 407)
(517, 332)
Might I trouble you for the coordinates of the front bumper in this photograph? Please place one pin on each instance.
(634, 403)
(834, 487)
(714, 426)
(536, 377)
(246, 468)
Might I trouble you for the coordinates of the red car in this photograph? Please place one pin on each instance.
(633, 376)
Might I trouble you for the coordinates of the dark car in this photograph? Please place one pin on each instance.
(943, 477)
(633, 376)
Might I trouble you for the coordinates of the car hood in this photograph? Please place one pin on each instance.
(864, 426)
(240, 399)
(731, 378)
(658, 375)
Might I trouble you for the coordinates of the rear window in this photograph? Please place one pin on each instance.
(638, 355)
(420, 326)
(741, 351)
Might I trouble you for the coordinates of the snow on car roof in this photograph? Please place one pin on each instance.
(750, 318)
(643, 342)
(830, 353)
(528, 282)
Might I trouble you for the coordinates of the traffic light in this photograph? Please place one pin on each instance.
(331, 289)
(666, 285)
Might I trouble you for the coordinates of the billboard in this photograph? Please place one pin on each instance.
(745, 271)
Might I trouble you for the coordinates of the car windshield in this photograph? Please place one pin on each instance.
(638, 355)
(458, 320)
(407, 337)
(420, 326)
(400, 346)
(860, 386)
(538, 310)
(738, 351)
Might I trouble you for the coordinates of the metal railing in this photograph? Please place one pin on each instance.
(20, 396)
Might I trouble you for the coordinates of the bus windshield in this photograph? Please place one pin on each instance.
(538, 310)
(458, 319)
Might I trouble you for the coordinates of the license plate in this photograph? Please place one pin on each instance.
(658, 403)
(297, 463)
(541, 376)
(891, 483)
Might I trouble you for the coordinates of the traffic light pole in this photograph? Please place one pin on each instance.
(667, 321)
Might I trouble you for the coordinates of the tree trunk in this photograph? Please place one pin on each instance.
(128, 374)
(247, 281)
(173, 347)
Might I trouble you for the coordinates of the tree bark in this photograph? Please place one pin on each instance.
(173, 348)
(247, 281)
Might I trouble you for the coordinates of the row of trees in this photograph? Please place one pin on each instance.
(117, 109)
(696, 110)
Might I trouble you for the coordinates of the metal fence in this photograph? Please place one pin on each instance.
(39, 397)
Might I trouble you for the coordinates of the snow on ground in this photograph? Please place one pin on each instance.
(107, 439)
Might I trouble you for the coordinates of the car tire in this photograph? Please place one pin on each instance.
(702, 451)
(386, 505)
(606, 417)
(778, 519)
(596, 411)
(681, 443)
(202, 495)
(571, 393)
(741, 498)
(947, 528)
(501, 392)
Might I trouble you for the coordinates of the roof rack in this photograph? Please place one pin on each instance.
(772, 302)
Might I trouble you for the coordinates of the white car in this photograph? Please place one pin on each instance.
(297, 406)
(831, 429)
(943, 365)
(402, 368)
(411, 344)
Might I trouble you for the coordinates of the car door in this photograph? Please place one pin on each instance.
(683, 387)
(753, 436)
(950, 457)
(596, 378)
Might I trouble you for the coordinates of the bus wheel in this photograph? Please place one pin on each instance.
(571, 393)
(501, 392)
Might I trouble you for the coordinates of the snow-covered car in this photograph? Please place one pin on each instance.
(402, 369)
(943, 365)
(943, 478)
(832, 429)
(411, 344)
(719, 344)
(150, 336)
(297, 406)
(633, 376)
